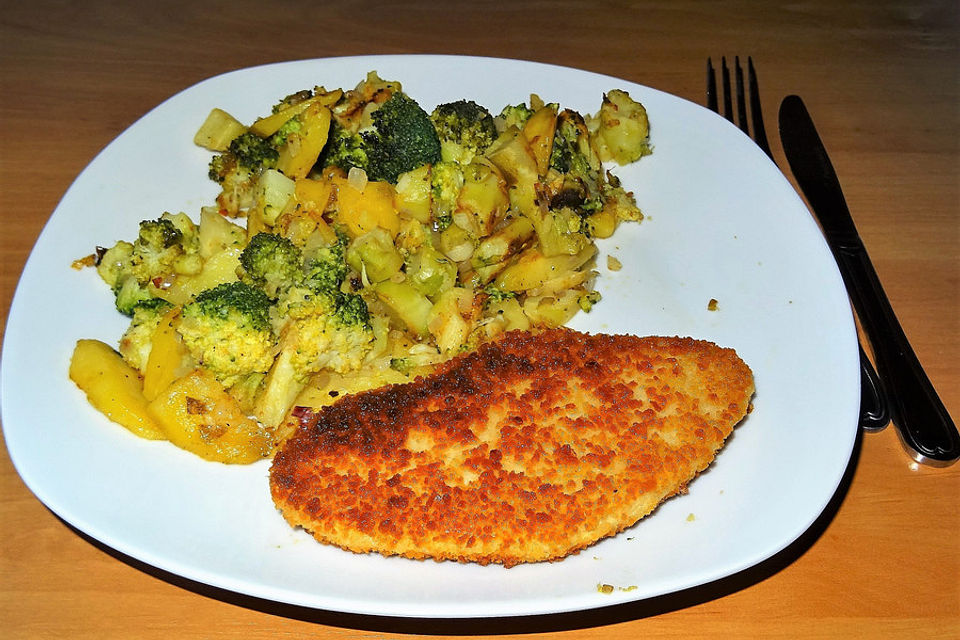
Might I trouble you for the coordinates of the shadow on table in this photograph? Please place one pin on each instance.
(521, 624)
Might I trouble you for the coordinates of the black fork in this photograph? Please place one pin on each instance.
(874, 405)
(759, 133)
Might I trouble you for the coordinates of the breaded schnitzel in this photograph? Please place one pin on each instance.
(528, 449)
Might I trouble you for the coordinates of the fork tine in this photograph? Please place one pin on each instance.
(741, 102)
(711, 87)
(727, 101)
(759, 133)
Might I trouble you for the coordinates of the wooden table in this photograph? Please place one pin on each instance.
(881, 81)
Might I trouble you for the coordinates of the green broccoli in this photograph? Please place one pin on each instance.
(318, 319)
(320, 330)
(324, 330)
(236, 170)
(403, 138)
(572, 150)
(326, 267)
(157, 247)
(271, 263)
(227, 329)
(618, 200)
(513, 116)
(398, 138)
(136, 342)
(293, 125)
(403, 365)
(465, 130)
(585, 187)
(573, 156)
(160, 234)
(130, 294)
(161, 250)
(344, 149)
(446, 181)
(588, 300)
(352, 310)
(253, 152)
(495, 294)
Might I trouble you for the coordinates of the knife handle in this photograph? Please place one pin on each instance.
(926, 428)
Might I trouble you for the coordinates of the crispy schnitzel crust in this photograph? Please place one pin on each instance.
(528, 449)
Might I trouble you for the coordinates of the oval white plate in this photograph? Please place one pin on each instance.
(723, 223)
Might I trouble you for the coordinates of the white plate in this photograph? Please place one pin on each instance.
(722, 223)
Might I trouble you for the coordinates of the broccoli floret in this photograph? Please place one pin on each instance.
(326, 267)
(271, 263)
(619, 201)
(247, 155)
(325, 327)
(137, 341)
(513, 116)
(344, 149)
(446, 181)
(588, 300)
(189, 231)
(130, 294)
(160, 250)
(465, 130)
(324, 330)
(236, 170)
(154, 307)
(159, 234)
(497, 295)
(397, 138)
(571, 145)
(573, 156)
(237, 184)
(156, 249)
(253, 152)
(236, 302)
(293, 125)
(352, 310)
(402, 139)
(403, 365)
(227, 329)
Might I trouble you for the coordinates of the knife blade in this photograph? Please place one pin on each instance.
(923, 424)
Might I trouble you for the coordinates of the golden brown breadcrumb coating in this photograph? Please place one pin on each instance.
(528, 449)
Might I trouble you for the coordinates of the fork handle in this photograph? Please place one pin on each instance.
(925, 427)
(874, 407)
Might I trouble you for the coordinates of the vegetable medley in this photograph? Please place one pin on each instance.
(357, 240)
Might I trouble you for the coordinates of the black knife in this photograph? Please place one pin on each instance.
(923, 424)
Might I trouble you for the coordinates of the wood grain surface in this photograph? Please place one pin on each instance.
(881, 80)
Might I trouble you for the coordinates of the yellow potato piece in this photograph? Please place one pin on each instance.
(313, 195)
(410, 307)
(218, 131)
(298, 156)
(363, 211)
(112, 387)
(539, 131)
(221, 267)
(197, 414)
(168, 356)
(269, 125)
(532, 269)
